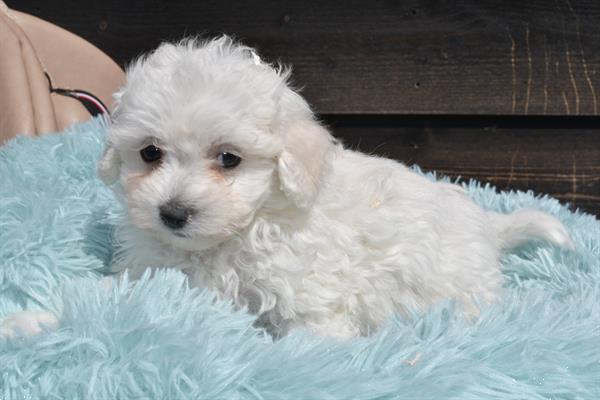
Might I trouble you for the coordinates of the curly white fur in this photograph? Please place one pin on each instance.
(303, 232)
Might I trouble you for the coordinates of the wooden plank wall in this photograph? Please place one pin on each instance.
(502, 91)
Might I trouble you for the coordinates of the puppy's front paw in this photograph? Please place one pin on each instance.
(27, 323)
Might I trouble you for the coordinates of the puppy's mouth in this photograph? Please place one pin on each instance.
(169, 234)
(185, 240)
(180, 234)
(177, 239)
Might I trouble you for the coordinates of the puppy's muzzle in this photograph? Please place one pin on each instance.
(175, 215)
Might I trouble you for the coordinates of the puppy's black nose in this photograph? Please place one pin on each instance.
(175, 215)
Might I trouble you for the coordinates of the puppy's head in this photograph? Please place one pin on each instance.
(204, 135)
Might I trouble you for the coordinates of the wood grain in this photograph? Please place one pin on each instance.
(405, 57)
(451, 86)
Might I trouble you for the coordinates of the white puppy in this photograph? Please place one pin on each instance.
(228, 176)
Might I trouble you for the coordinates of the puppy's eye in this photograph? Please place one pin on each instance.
(151, 154)
(228, 160)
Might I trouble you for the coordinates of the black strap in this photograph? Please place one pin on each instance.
(93, 104)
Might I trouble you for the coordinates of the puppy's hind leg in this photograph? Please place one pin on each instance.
(336, 327)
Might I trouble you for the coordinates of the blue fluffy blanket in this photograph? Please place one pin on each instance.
(158, 338)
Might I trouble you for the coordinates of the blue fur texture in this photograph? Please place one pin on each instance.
(159, 339)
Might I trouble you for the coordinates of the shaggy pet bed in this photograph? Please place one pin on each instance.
(157, 338)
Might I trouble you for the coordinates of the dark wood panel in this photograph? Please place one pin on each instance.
(412, 56)
(562, 161)
(392, 58)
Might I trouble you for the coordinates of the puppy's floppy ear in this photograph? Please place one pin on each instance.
(109, 166)
(301, 164)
